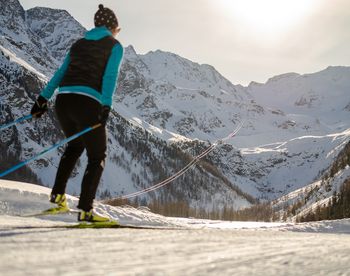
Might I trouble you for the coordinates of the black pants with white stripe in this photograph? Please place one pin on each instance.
(75, 113)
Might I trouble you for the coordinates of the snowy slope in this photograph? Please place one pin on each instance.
(194, 100)
(21, 40)
(287, 166)
(320, 98)
(56, 28)
(197, 248)
(183, 97)
(311, 196)
(319, 194)
(18, 199)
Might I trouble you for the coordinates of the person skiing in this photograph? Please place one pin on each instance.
(87, 80)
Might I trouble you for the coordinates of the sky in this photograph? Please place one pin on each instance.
(245, 40)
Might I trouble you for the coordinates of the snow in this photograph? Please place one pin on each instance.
(197, 247)
(313, 195)
(294, 163)
(15, 59)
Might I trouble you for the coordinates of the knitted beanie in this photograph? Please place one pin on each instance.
(105, 17)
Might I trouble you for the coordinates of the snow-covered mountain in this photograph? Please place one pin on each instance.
(320, 101)
(56, 28)
(319, 194)
(284, 144)
(17, 37)
(293, 126)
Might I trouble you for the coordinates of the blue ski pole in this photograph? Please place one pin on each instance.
(49, 149)
(16, 121)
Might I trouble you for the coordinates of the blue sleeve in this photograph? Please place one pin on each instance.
(110, 76)
(56, 79)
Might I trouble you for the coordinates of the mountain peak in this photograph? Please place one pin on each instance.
(57, 29)
(48, 13)
(283, 77)
(336, 69)
(11, 7)
(182, 72)
(130, 51)
(12, 17)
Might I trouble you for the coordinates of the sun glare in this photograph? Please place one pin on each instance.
(267, 16)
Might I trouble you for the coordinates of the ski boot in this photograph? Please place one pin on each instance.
(90, 216)
(61, 201)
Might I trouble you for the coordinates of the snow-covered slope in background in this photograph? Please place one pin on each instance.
(283, 167)
(276, 151)
(183, 97)
(21, 40)
(56, 28)
(320, 98)
(325, 192)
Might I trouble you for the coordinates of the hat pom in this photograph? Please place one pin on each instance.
(100, 7)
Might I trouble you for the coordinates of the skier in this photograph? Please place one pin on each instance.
(86, 80)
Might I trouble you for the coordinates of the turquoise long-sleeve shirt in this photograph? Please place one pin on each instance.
(110, 77)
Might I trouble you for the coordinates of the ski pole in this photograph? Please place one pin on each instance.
(49, 149)
(16, 121)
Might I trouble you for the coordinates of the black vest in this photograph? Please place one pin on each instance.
(88, 60)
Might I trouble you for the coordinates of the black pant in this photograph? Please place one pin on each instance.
(75, 113)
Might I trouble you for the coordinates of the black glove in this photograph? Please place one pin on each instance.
(39, 107)
(103, 117)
